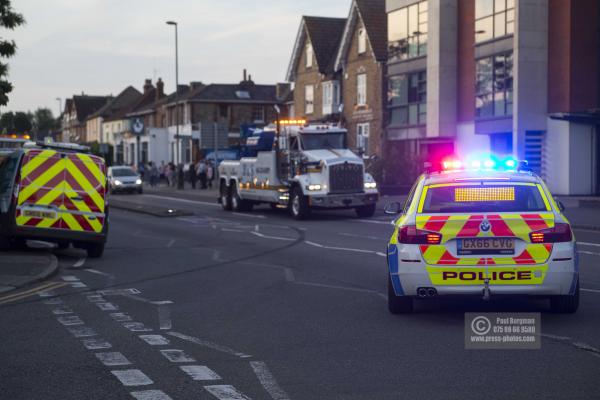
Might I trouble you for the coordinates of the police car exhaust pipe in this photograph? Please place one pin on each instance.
(431, 292)
(423, 292)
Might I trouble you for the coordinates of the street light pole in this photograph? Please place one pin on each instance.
(177, 146)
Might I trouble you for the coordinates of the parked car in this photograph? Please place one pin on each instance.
(124, 179)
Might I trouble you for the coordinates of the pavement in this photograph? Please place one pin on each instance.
(21, 269)
(223, 305)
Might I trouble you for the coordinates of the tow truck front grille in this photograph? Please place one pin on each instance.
(346, 178)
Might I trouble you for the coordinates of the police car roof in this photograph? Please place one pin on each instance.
(462, 176)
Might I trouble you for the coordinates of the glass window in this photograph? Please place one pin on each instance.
(309, 55)
(313, 141)
(309, 98)
(362, 137)
(407, 99)
(493, 19)
(258, 114)
(494, 86)
(361, 89)
(407, 32)
(362, 41)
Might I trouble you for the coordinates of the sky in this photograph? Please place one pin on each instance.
(102, 46)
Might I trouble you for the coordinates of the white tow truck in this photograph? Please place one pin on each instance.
(300, 167)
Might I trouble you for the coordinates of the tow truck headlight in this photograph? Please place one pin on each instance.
(313, 188)
(370, 185)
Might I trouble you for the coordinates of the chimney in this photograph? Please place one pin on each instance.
(196, 85)
(250, 79)
(160, 89)
(148, 86)
(282, 90)
(244, 80)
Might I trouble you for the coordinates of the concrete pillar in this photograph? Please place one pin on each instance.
(442, 68)
(530, 71)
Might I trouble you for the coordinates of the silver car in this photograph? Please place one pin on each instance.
(124, 179)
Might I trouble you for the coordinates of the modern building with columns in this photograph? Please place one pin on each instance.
(507, 77)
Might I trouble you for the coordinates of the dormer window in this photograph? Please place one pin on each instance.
(242, 94)
(362, 41)
(309, 55)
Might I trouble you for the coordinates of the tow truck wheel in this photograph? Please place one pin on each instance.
(398, 304)
(237, 203)
(225, 197)
(299, 204)
(365, 211)
(565, 304)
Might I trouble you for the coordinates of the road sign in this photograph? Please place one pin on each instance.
(137, 125)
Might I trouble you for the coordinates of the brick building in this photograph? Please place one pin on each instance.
(77, 109)
(497, 76)
(112, 110)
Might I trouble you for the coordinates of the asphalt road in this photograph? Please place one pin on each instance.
(233, 306)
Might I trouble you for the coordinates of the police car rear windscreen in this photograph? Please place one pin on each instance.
(483, 198)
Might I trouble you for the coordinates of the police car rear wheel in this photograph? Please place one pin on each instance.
(398, 304)
(565, 304)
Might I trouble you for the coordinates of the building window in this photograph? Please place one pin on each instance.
(258, 114)
(309, 99)
(331, 97)
(145, 152)
(223, 111)
(494, 19)
(407, 99)
(362, 41)
(362, 137)
(494, 86)
(407, 32)
(361, 89)
(309, 55)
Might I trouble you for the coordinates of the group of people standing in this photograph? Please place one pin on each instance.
(201, 172)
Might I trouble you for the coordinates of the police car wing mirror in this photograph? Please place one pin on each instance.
(560, 205)
(392, 208)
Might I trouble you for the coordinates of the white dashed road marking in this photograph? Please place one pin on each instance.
(113, 359)
(136, 327)
(200, 372)
(53, 301)
(590, 290)
(177, 356)
(155, 340)
(271, 237)
(62, 310)
(132, 377)
(120, 317)
(70, 278)
(82, 331)
(69, 320)
(95, 298)
(210, 345)
(225, 392)
(589, 244)
(267, 380)
(339, 248)
(150, 395)
(107, 306)
(96, 344)
(79, 263)
(164, 317)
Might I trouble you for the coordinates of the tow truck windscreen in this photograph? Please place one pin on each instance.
(473, 199)
(318, 141)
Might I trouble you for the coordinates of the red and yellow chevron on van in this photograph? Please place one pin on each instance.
(55, 193)
(481, 232)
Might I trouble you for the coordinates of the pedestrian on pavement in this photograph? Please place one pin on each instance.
(141, 170)
(154, 174)
(180, 177)
(193, 175)
(170, 174)
(210, 174)
(162, 171)
(202, 174)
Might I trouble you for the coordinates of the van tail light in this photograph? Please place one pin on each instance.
(559, 233)
(411, 235)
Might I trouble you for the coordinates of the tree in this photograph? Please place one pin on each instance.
(8, 20)
(7, 123)
(44, 122)
(22, 122)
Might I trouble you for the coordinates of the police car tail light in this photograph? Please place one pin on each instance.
(411, 235)
(559, 233)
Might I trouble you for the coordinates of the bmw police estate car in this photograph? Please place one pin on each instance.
(485, 229)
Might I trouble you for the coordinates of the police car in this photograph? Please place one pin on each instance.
(487, 228)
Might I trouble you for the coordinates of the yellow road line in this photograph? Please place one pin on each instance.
(31, 292)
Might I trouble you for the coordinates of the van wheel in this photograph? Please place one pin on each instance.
(237, 203)
(398, 304)
(62, 245)
(95, 250)
(365, 211)
(299, 207)
(225, 197)
(565, 304)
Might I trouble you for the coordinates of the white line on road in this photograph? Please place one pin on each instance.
(150, 395)
(70, 320)
(53, 301)
(337, 287)
(171, 243)
(164, 317)
(79, 263)
(93, 271)
(590, 290)
(176, 356)
(183, 200)
(95, 298)
(590, 253)
(132, 377)
(112, 359)
(82, 331)
(107, 306)
(589, 244)
(155, 340)
(96, 344)
(271, 237)
(61, 310)
(369, 221)
(70, 278)
(249, 215)
(340, 248)
(232, 230)
(361, 236)
(136, 327)
(200, 372)
(267, 380)
(208, 344)
(380, 254)
(78, 285)
(225, 392)
(120, 317)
